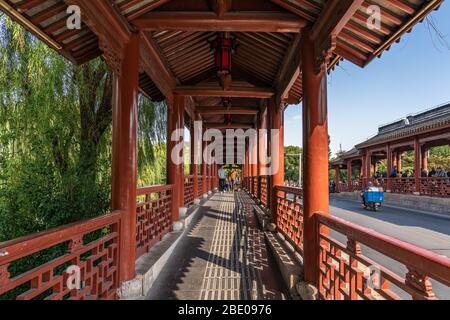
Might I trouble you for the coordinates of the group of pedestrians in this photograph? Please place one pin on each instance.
(438, 173)
(228, 182)
(433, 173)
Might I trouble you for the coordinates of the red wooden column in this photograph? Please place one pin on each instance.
(277, 123)
(247, 168)
(424, 158)
(204, 167)
(256, 168)
(368, 166)
(338, 179)
(175, 172)
(194, 166)
(124, 155)
(315, 144)
(262, 154)
(349, 174)
(389, 168)
(399, 161)
(417, 163)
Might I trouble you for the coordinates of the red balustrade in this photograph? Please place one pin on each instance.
(35, 267)
(199, 186)
(435, 187)
(345, 273)
(289, 216)
(265, 188)
(404, 185)
(255, 182)
(189, 190)
(154, 212)
(343, 187)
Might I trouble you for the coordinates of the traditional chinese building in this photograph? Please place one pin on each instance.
(418, 133)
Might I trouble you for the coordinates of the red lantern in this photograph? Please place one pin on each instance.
(224, 49)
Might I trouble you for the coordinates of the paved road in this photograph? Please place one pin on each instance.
(432, 233)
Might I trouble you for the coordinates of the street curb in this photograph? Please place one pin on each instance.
(431, 214)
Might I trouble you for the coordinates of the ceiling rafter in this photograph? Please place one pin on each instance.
(143, 10)
(331, 21)
(156, 67)
(289, 71)
(231, 21)
(232, 92)
(210, 110)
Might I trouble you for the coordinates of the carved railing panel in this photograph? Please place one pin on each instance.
(38, 266)
(265, 188)
(435, 187)
(255, 186)
(289, 215)
(154, 216)
(200, 187)
(346, 273)
(404, 185)
(189, 190)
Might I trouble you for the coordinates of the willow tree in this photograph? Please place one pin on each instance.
(55, 136)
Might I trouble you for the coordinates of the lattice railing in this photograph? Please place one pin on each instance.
(343, 187)
(265, 188)
(199, 186)
(153, 216)
(403, 185)
(188, 190)
(37, 266)
(346, 273)
(435, 187)
(289, 216)
(255, 182)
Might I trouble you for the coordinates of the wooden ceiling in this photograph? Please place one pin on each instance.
(176, 52)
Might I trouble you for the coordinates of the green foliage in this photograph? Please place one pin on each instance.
(56, 137)
(292, 163)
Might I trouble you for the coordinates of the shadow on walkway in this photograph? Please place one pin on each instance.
(222, 257)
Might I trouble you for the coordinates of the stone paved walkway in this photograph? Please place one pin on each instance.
(223, 257)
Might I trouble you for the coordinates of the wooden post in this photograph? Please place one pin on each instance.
(417, 163)
(315, 144)
(349, 175)
(424, 158)
(399, 161)
(369, 165)
(175, 172)
(124, 155)
(389, 168)
(277, 115)
(194, 166)
(338, 179)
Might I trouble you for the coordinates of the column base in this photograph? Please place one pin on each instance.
(416, 193)
(178, 226)
(130, 290)
(307, 291)
(197, 202)
(205, 196)
(183, 212)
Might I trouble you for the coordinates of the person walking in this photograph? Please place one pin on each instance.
(222, 177)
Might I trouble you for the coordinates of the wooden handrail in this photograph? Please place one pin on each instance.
(25, 246)
(153, 189)
(434, 265)
(293, 190)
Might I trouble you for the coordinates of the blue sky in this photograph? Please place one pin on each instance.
(413, 76)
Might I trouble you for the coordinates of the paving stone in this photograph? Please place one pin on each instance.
(224, 256)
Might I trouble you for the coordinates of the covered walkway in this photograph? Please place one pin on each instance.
(223, 257)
